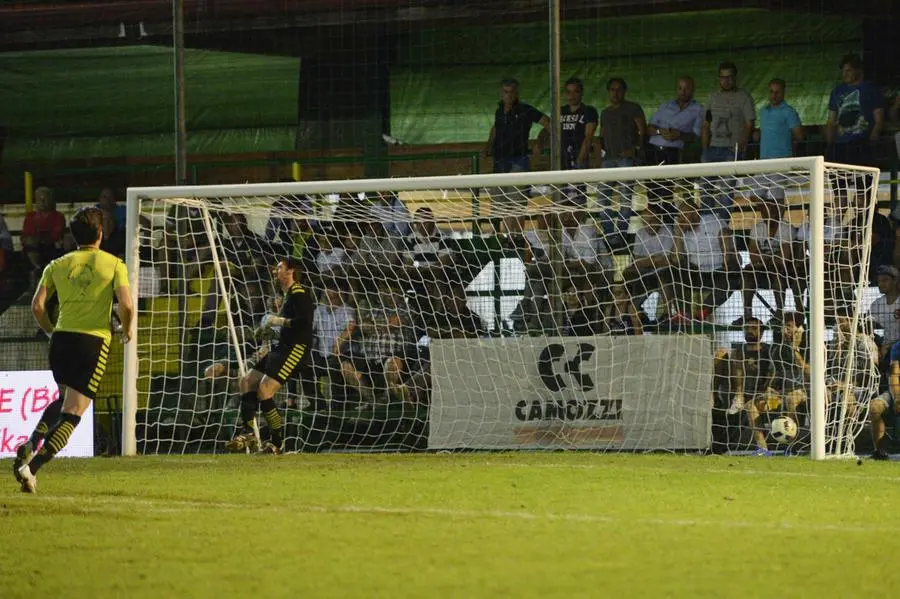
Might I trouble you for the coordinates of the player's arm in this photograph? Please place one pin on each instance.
(122, 291)
(894, 381)
(126, 311)
(543, 137)
(797, 132)
(489, 146)
(705, 130)
(590, 128)
(878, 113)
(831, 126)
(39, 308)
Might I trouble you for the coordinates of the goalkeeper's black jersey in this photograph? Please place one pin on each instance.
(298, 307)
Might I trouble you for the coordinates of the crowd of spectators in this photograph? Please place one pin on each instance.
(388, 281)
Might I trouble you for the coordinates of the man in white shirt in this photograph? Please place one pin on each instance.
(704, 262)
(770, 244)
(885, 310)
(651, 254)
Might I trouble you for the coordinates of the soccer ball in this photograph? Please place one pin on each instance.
(784, 430)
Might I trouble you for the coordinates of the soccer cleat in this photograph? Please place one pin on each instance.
(28, 480)
(23, 456)
(271, 448)
(880, 455)
(244, 440)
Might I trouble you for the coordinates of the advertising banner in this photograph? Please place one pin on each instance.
(627, 393)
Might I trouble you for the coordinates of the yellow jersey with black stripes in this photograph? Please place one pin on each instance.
(85, 281)
(297, 308)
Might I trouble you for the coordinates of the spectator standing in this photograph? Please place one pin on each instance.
(727, 127)
(622, 131)
(579, 123)
(779, 125)
(729, 119)
(676, 123)
(513, 119)
(42, 232)
(855, 116)
(779, 133)
(508, 144)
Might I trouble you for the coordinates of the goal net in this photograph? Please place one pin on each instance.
(675, 308)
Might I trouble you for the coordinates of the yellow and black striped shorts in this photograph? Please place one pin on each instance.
(283, 362)
(78, 361)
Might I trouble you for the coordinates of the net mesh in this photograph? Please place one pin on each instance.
(644, 314)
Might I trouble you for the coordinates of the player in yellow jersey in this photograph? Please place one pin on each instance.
(86, 280)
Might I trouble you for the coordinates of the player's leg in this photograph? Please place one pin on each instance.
(245, 435)
(50, 416)
(755, 408)
(266, 391)
(78, 362)
(878, 411)
(74, 406)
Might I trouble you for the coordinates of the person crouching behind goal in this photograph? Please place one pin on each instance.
(259, 386)
(85, 280)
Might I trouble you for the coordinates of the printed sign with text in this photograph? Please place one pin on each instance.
(23, 398)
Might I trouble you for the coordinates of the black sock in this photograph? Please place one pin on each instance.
(48, 419)
(273, 418)
(56, 440)
(249, 406)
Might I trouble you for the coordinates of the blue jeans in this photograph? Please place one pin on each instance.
(715, 192)
(511, 165)
(615, 222)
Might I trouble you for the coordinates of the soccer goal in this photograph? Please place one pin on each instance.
(683, 308)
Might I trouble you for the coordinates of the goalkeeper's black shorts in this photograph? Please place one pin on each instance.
(283, 362)
(78, 360)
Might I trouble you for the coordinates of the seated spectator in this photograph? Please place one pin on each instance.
(113, 235)
(331, 252)
(704, 262)
(285, 222)
(884, 246)
(622, 317)
(425, 245)
(375, 247)
(841, 257)
(333, 322)
(582, 312)
(441, 311)
(851, 371)
(585, 254)
(770, 244)
(106, 202)
(373, 359)
(883, 409)
(43, 233)
(752, 372)
(885, 310)
(789, 359)
(389, 210)
(185, 249)
(651, 255)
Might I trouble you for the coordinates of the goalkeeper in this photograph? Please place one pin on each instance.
(260, 385)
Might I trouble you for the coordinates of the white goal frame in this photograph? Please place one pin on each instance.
(815, 166)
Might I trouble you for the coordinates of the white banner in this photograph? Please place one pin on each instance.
(23, 397)
(631, 393)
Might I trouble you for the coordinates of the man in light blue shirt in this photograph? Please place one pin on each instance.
(780, 131)
(779, 125)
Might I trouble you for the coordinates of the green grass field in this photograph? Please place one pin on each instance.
(472, 525)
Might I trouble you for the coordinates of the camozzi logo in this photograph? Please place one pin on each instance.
(559, 370)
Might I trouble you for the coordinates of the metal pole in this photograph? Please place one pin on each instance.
(555, 107)
(180, 128)
(556, 232)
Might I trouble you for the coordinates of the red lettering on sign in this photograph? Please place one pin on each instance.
(5, 398)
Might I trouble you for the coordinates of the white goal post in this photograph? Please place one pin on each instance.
(460, 414)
